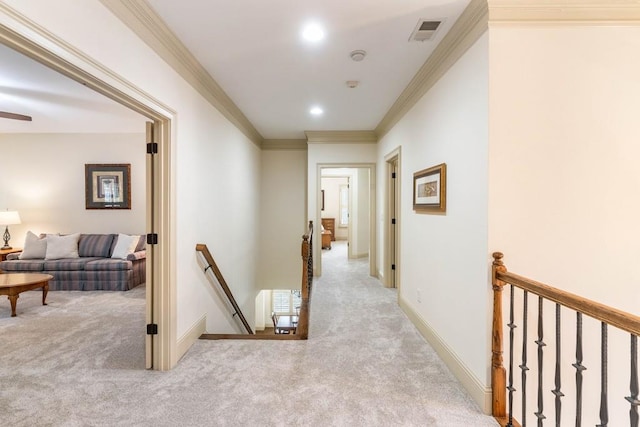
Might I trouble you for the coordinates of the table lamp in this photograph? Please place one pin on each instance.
(8, 218)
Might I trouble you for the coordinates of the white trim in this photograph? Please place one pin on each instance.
(341, 137)
(396, 154)
(481, 394)
(564, 12)
(284, 144)
(140, 17)
(465, 32)
(191, 336)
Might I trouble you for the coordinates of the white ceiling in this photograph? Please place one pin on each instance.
(254, 51)
(56, 103)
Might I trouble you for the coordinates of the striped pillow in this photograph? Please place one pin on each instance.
(95, 245)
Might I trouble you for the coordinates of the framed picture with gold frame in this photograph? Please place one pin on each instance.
(107, 186)
(430, 190)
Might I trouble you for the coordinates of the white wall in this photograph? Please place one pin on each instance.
(564, 181)
(282, 210)
(361, 214)
(444, 257)
(47, 187)
(215, 168)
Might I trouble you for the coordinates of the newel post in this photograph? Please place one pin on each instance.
(307, 257)
(498, 372)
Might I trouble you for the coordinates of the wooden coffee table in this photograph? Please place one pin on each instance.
(12, 284)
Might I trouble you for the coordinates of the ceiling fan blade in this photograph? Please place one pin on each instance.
(15, 116)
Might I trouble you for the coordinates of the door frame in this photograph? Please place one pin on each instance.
(392, 237)
(317, 245)
(29, 39)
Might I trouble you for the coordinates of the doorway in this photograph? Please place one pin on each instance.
(353, 210)
(160, 347)
(335, 210)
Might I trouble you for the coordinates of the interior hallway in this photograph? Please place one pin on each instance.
(363, 365)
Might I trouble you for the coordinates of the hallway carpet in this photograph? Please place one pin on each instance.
(78, 362)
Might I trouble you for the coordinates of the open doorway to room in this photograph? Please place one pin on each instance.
(335, 210)
(24, 60)
(347, 213)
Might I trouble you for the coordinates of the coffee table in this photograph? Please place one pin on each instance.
(11, 284)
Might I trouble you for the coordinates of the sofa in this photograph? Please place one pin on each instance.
(83, 262)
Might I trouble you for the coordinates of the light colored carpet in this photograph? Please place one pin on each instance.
(78, 362)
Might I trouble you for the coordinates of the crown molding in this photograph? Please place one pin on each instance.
(140, 17)
(39, 44)
(284, 144)
(565, 12)
(472, 24)
(341, 137)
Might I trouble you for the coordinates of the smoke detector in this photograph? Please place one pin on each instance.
(425, 30)
(358, 55)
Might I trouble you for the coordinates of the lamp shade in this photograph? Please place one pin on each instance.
(9, 218)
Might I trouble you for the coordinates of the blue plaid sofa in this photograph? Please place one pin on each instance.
(93, 270)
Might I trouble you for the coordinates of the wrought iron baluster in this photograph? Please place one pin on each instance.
(556, 391)
(579, 368)
(633, 383)
(523, 366)
(604, 411)
(511, 326)
(539, 414)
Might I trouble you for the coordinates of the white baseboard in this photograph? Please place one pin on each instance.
(191, 336)
(481, 394)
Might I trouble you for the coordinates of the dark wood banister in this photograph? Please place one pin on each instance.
(202, 248)
(306, 252)
(302, 330)
(500, 277)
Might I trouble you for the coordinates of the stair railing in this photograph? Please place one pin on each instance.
(211, 264)
(504, 391)
(302, 329)
(306, 252)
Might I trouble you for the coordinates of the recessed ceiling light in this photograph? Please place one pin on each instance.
(313, 32)
(316, 111)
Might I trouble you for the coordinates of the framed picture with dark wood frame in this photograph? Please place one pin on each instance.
(107, 186)
(322, 191)
(430, 190)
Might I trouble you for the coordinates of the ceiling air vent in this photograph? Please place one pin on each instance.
(425, 30)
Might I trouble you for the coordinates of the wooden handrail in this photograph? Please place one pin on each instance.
(618, 318)
(302, 330)
(306, 252)
(500, 277)
(223, 283)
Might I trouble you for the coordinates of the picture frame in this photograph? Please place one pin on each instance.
(107, 186)
(430, 190)
(322, 208)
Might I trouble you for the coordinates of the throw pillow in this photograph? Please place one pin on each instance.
(59, 247)
(95, 245)
(125, 245)
(34, 247)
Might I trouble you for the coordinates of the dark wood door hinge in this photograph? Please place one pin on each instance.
(152, 329)
(152, 239)
(152, 148)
